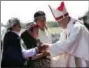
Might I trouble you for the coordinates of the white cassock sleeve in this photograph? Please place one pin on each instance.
(29, 53)
(66, 45)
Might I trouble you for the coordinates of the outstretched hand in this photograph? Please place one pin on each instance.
(42, 48)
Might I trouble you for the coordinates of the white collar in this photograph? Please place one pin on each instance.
(16, 33)
(69, 25)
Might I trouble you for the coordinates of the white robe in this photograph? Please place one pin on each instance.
(75, 45)
(45, 36)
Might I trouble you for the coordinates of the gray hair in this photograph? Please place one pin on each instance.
(13, 21)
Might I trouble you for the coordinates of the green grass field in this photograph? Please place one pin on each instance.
(54, 30)
(53, 27)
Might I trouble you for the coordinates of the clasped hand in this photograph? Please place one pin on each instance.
(42, 52)
(42, 48)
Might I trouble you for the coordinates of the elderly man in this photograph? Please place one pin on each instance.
(74, 42)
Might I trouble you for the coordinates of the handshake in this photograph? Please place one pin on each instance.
(42, 48)
(41, 52)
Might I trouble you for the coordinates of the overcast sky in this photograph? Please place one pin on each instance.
(24, 10)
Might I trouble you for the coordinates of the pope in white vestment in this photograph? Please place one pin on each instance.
(74, 42)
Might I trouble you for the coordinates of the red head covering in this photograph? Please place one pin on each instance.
(34, 26)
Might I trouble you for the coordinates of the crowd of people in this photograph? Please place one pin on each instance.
(33, 48)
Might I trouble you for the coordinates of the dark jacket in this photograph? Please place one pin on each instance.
(30, 42)
(12, 55)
